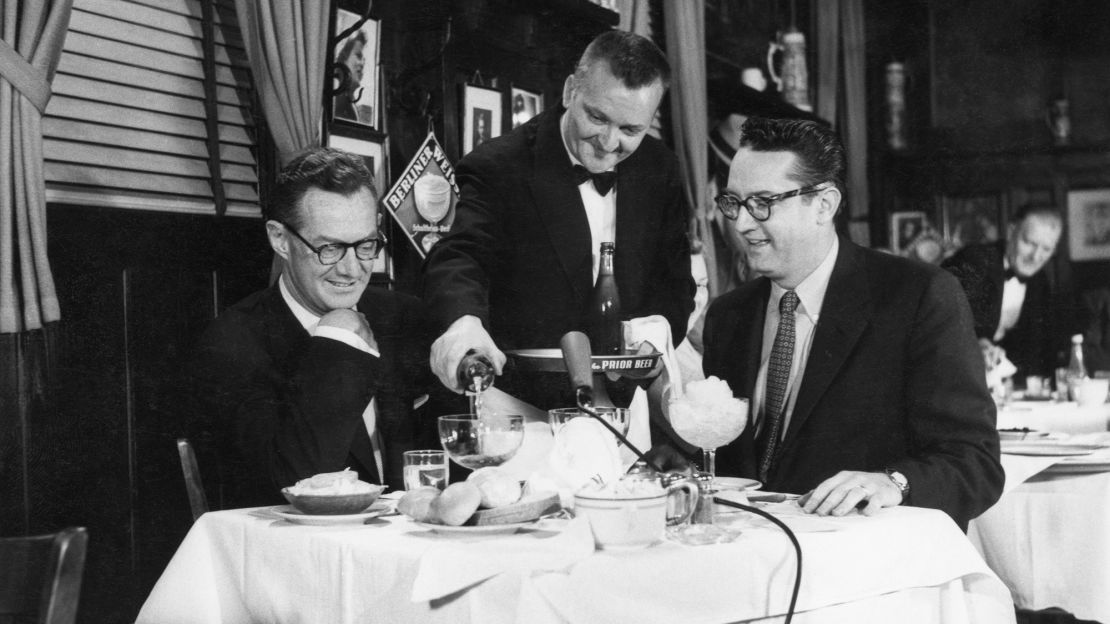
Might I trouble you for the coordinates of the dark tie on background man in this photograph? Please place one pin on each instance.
(778, 374)
(603, 181)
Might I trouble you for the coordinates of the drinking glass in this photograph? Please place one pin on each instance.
(476, 442)
(618, 417)
(708, 429)
(427, 467)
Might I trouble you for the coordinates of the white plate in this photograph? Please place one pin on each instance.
(290, 513)
(736, 483)
(1017, 435)
(1048, 448)
(1078, 467)
(483, 530)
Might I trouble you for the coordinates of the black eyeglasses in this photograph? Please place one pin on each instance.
(331, 253)
(759, 207)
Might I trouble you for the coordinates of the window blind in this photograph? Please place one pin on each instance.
(126, 124)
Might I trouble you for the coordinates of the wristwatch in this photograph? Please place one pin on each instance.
(899, 480)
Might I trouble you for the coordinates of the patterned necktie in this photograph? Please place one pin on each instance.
(603, 181)
(778, 374)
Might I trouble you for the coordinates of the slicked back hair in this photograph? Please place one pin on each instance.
(1045, 212)
(820, 154)
(632, 59)
(324, 168)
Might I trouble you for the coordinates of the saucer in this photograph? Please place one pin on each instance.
(292, 514)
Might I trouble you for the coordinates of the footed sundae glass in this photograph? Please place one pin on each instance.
(709, 417)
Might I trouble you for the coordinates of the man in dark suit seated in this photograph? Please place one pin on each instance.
(517, 268)
(866, 384)
(1009, 293)
(319, 372)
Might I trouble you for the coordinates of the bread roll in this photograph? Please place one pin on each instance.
(456, 504)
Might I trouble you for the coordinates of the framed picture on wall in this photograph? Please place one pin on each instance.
(525, 105)
(971, 219)
(481, 116)
(905, 227)
(1089, 224)
(371, 146)
(355, 74)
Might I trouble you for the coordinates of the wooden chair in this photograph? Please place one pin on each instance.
(40, 576)
(198, 500)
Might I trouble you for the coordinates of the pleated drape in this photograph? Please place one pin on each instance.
(684, 24)
(33, 32)
(841, 72)
(287, 47)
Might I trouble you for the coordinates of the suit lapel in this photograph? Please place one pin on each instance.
(283, 330)
(845, 313)
(559, 205)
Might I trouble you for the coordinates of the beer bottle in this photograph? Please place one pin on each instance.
(604, 318)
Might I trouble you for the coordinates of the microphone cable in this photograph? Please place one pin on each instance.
(793, 540)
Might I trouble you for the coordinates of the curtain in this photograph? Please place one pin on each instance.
(841, 79)
(287, 46)
(33, 32)
(684, 24)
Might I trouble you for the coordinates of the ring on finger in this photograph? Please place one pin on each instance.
(866, 492)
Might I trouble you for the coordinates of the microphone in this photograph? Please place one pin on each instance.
(576, 355)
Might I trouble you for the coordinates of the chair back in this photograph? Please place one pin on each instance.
(40, 575)
(198, 500)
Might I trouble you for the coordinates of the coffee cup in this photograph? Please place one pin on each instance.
(622, 522)
(1092, 392)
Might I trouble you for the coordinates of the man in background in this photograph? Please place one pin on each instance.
(318, 372)
(1009, 293)
(867, 388)
(518, 266)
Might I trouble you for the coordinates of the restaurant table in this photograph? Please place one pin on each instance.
(250, 565)
(1048, 537)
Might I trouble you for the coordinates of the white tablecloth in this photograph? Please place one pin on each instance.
(904, 565)
(1048, 537)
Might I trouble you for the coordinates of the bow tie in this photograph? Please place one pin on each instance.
(1020, 278)
(603, 181)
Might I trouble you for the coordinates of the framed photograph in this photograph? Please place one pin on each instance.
(355, 72)
(1089, 224)
(905, 227)
(371, 146)
(972, 219)
(481, 116)
(525, 105)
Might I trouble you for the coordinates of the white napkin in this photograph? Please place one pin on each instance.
(655, 330)
(582, 451)
(454, 563)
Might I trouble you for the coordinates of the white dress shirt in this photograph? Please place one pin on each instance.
(811, 296)
(1013, 297)
(311, 323)
(601, 212)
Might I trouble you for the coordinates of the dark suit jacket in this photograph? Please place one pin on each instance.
(518, 255)
(283, 405)
(1029, 343)
(894, 380)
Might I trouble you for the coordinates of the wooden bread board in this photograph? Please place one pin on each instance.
(524, 510)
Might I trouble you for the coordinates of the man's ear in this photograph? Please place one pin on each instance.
(828, 202)
(279, 241)
(568, 90)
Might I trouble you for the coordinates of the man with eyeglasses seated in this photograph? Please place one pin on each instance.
(866, 384)
(319, 372)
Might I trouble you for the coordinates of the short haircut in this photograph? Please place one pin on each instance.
(324, 168)
(634, 60)
(1046, 212)
(818, 148)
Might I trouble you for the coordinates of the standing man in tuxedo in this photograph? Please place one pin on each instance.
(318, 372)
(1009, 293)
(867, 388)
(518, 266)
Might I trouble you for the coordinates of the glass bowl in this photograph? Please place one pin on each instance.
(476, 442)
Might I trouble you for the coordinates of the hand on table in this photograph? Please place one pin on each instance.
(846, 490)
(352, 321)
(465, 334)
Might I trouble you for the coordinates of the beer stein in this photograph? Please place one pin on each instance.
(1059, 122)
(794, 79)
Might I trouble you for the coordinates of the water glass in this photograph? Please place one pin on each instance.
(425, 468)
